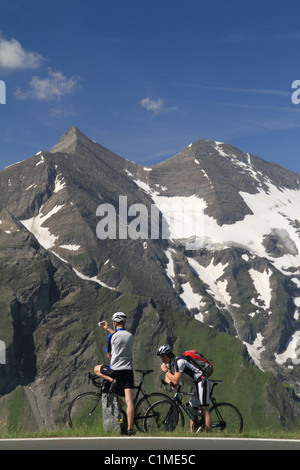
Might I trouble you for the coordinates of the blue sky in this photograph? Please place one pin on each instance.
(147, 78)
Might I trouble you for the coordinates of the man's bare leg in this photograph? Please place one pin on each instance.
(130, 407)
(207, 417)
(97, 372)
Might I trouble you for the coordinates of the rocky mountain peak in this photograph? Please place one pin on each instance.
(71, 140)
(88, 153)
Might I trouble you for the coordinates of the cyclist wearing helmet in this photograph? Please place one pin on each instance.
(120, 370)
(177, 368)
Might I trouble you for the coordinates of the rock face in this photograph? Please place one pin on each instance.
(206, 242)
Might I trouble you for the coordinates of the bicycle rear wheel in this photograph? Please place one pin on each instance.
(226, 416)
(161, 416)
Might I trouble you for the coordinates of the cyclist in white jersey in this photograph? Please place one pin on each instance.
(120, 370)
(177, 369)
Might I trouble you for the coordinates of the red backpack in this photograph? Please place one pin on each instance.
(199, 361)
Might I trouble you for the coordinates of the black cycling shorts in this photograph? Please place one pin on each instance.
(125, 378)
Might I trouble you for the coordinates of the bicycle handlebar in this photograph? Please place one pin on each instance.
(96, 379)
(177, 387)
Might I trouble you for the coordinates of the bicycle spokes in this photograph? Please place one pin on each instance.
(226, 416)
(162, 415)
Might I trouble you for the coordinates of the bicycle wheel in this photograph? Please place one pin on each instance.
(144, 404)
(226, 416)
(84, 410)
(161, 416)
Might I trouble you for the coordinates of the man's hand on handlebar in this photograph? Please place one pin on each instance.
(172, 386)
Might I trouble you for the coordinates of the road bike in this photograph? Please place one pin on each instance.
(223, 415)
(85, 409)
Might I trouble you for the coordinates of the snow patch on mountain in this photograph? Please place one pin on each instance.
(170, 266)
(189, 297)
(70, 247)
(59, 183)
(92, 279)
(42, 160)
(31, 186)
(219, 150)
(292, 350)
(41, 233)
(256, 349)
(261, 283)
(210, 276)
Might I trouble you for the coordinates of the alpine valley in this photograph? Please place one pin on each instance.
(227, 285)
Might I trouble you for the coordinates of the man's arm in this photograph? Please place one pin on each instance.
(169, 377)
(105, 326)
(108, 346)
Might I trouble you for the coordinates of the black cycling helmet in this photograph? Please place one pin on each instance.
(165, 349)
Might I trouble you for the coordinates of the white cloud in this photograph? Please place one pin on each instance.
(14, 56)
(152, 105)
(156, 106)
(53, 87)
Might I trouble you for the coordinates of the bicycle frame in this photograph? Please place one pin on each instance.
(221, 423)
(180, 404)
(140, 395)
(139, 386)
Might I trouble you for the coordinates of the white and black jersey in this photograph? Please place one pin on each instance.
(192, 376)
(191, 373)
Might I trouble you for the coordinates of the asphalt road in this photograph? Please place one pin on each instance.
(143, 447)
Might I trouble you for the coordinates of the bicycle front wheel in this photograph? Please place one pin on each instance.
(226, 416)
(144, 404)
(161, 416)
(85, 412)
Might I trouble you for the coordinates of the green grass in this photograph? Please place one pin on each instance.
(7, 432)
